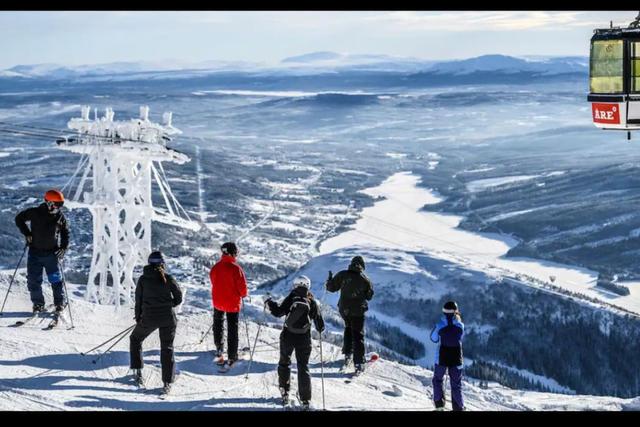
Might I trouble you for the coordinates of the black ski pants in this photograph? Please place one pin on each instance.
(232, 332)
(167, 334)
(301, 344)
(353, 339)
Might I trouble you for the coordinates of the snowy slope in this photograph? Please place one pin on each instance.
(43, 370)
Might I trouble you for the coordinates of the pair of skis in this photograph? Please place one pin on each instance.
(164, 393)
(223, 364)
(52, 324)
(371, 358)
(289, 405)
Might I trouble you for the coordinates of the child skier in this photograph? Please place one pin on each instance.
(157, 293)
(300, 308)
(448, 332)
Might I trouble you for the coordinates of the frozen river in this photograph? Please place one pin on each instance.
(397, 222)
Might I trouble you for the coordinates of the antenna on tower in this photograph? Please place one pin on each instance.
(120, 163)
(636, 22)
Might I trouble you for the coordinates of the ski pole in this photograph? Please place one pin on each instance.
(322, 373)
(246, 377)
(112, 345)
(110, 339)
(246, 325)
(206, 333)
(14, 276)
(64, 283)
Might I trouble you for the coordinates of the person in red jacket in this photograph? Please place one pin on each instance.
(228, 287)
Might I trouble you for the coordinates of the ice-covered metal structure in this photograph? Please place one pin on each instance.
(120, 161)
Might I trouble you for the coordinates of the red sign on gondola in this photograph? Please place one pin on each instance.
(606, 113)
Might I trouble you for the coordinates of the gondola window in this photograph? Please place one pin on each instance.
(635, 67)
(607, 68)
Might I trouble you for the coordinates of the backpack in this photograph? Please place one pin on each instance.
(298, 321)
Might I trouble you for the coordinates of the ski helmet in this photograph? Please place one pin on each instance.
(450, 307)
(156, 257)
(54, 201)
(301, 281)
(358, 260)
(229, 248)
(54, 196)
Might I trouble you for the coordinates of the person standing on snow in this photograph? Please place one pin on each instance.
(48, 240)
(448, 332)
(228, 287)
(301, 309)
(157, 293)
(355, 290)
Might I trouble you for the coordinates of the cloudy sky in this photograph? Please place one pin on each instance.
(76, 38)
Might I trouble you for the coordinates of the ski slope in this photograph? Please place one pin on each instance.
(44, 370)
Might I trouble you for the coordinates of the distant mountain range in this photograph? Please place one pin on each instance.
(308, 64)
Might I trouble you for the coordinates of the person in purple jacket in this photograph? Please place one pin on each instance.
(448, 333)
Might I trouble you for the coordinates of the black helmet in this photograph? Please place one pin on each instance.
(156, 257)
(450, 307)
(358, 260)
(229, 248)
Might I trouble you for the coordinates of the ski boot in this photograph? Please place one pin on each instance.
(137, 377)
(219, 358)
(348, 361)
(38, 308)
(457, 407)
(60, 307)
(284, 394)
(359, 369)
(306, 406)
(166, 389)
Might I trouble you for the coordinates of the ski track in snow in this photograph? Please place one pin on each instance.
(43, 370)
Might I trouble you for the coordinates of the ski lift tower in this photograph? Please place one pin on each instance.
(121, 160)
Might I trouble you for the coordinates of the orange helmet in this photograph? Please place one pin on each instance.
(53, 196)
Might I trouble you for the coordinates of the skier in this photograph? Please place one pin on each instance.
(300, 308)
(448, 332)
(157, 293)
(228, 287)
(48, 240)
(355, 290)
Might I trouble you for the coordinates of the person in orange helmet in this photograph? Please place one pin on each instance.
(48, 240)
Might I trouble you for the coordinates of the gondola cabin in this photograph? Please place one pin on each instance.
(614, 78)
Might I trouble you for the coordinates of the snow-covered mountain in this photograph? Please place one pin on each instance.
(510, 64)
(307, 64)
(44, 370)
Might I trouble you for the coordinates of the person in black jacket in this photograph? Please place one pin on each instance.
(301, 309)
(48, 240)
(157, 293)
(355, 290)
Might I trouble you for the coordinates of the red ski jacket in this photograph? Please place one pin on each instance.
(228, 285)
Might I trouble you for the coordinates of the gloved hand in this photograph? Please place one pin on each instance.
(137, 319)
(270, 304)
(28, 239)
(60, 254)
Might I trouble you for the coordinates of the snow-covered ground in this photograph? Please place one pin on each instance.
(44, 370)
(396, 221)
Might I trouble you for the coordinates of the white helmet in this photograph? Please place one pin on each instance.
(302, 281)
